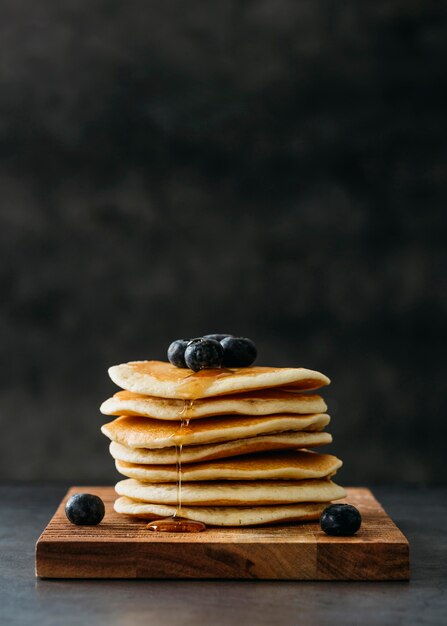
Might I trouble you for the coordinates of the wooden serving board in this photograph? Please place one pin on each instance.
(122, 547)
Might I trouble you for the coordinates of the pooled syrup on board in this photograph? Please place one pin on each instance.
(177, 523)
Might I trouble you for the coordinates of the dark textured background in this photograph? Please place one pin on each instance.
(271, 169)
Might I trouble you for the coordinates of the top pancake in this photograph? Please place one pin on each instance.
(161, 379)
(261, 402)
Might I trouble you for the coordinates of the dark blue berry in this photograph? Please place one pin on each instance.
(203, 354)
(340, 520)
(85, 509)
(217, 336)
(176, 352)
(238, 352)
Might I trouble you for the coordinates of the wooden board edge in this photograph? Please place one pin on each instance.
(269, 561)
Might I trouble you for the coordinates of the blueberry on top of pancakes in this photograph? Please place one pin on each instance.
(203, 354)
(212, 351)
(176, 352)
(217, 336)
(238, 352)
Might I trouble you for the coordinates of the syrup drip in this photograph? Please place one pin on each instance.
(186, 408)
(178, 462)
(195, 385)
(176, 523)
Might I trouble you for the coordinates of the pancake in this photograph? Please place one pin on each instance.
(159, 378)
(286, 465)
(232, 493)
(265, 402)
(224, 516)
(208, 452)
(145, 432)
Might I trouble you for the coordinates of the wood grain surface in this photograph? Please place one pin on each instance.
(122, 547)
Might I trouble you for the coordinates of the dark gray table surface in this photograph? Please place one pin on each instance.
(420, 513)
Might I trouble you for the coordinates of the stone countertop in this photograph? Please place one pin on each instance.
(419, 513)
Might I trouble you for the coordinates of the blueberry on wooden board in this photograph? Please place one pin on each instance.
(176, 352)
(85, 509)
(340, 520)
(203, 354)
(238, 352)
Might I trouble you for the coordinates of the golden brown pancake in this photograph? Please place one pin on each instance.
(158, 378)
(211, 451)
(285, 465)
(264, 402)
(232, 493)
(224, 516)
(145, 432)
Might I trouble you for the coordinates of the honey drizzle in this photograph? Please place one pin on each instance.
(195, 385)
(178, 463)
(176, 523)
(184, 423)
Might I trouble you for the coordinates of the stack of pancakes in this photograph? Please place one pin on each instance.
(220, 446)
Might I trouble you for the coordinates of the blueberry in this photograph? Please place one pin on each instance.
(85, 509)
(217, 336)
(238, 352)
(203, 354)
(176, 352)
(340, 520)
